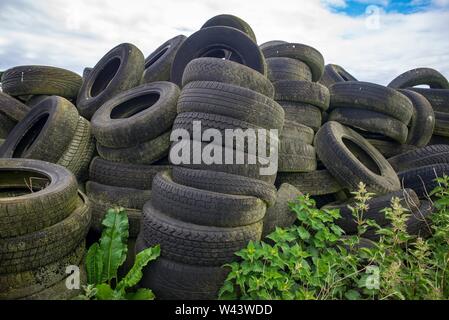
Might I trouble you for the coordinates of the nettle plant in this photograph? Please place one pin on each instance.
(315, 260)
(105, 257)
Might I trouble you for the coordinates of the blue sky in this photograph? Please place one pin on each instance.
(76, 34)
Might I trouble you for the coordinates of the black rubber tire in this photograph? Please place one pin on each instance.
(288, 69)
(6, 126)
(23, 284)
(194, 244)
(370, 96)
(315, 183)
(228, 20)
(305, 114)
(280, 215)
(105, 197)
(170, 280)
(409, 201)
(36, 210)
(295, 131)
(144, 153)
(124, 175)
(334, 73)
(355, 163)
(310, 56)
(425, 156)
(12, 108)
(371, 121)
(37, 80)
(80, 151)
(211, 42)
(226, 71)
(422, 179)
(296, 156)
(119, 70)
(226, 183)
(158, 64)
(231, 101)
(203, 207)
(245, 169)
(86, 73)
(422, 123)
(438, 140)
(137, 115)
(45, 132)
(441, 124)
(34, 250)
(270, 43)
(438, 98)
(390, 148)
(420, 76)
(303, 92)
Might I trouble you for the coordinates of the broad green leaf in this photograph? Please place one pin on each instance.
(94, 264)
(113, 242)
(352, 295)
(105, 292)
(141, 294)
(135, 274)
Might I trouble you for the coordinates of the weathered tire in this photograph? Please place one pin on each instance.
(170, 280)
(35, 101)
(195, 244)
(295, 131)
(420, 76)
(371, 121)
(280, 215)
(390, 148)
(422, 179)
(6, 126)
(334, 73)
(315, 183)
(13, 109)
(80, 151)
(158, 64)
(203, 207)
(288, 69)
(53, 198)
(306, 54)
(119, 70)
(45, 132)
(226, 71)
(409, 201)
(37, 80)
(23, 284)
(351, 160)
(305, 114)
(438, 98)
(441, 124)
(226, 183)
(422, 123)
(370, 96)
(231, 101)
(218, 42)
(124, 175)
(144, 153)
(296, 156)
(271, 43)
(303, 92)
(34, 250)
(137, 115)
(228, 20)
(429, 155)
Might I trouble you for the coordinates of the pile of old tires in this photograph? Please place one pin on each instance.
(43, 224)
(115, 127)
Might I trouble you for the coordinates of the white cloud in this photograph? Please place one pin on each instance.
(77, 34)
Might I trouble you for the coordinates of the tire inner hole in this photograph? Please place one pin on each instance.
(362, 156)
(16, 183)
(134, 106)
(30, 136)
(223, 53)
(159, 55)
(105, 77)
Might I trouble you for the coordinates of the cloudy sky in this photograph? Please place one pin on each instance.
(373, 39)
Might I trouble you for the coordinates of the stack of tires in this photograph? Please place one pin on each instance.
(52, 131)
(43, 224)
(201, 213)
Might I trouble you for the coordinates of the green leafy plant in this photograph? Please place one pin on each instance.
(103, 259)
(313, 259)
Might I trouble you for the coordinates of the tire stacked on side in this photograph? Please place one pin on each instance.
(202, 213)
(53, 131)
(43, 226)
(11, 112)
